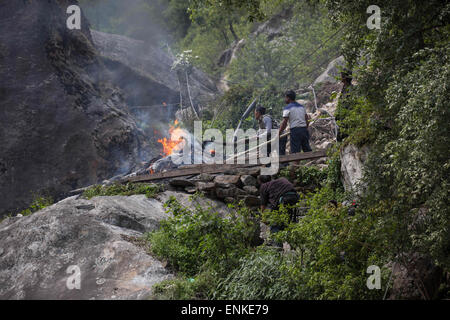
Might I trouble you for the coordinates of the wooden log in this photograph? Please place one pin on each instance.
(220, 168)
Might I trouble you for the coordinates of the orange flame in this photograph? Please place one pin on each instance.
(175, 141)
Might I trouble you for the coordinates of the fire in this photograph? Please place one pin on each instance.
(175, 141)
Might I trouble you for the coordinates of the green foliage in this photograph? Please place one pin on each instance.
(251, 7)
(207, 44)
(334, 250)
(279, 218)
(174, 289)
(39, 203)
(409, 167)
(287, 61)
(196, 238)
(259, 276)
(150, 190)
(201, 286)
(311, 177)
(399, 106)
(357, 119)
(233, 104)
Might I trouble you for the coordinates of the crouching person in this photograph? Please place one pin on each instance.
(276, 192)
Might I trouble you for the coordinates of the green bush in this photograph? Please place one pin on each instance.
(198, 238)
(311, 176)
(259, 276)
(335, 250)
(40, 202)
(201, 286)
(150, 190)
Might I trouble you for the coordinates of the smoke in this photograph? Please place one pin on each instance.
(138, 19)
(133, 41)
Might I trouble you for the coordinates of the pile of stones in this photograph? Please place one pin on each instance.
(230, 187)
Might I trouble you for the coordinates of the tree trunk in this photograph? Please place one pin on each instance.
(236, 38)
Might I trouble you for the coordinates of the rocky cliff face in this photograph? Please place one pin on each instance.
(145, 74)
(63, 123)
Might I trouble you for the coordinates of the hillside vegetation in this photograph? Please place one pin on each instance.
(398, 107)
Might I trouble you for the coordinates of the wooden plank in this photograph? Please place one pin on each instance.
(220, 168)
(303, 156)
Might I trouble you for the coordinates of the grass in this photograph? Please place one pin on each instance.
(150, 190)
(39, 203)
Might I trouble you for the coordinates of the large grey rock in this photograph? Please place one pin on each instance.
(226, 180)
(63, 125)
(248, 180)
(352, 165)
(189, 202)
(332, 71)
(145, 71)
(99, 236)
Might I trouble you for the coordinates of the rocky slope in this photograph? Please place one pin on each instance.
(100, 236)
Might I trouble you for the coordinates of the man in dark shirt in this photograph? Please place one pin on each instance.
(272, 192)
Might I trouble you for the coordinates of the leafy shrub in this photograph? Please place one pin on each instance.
(39, 203)
(200, 286)
(335, 250)
(279, 218)
(174, 289)
(150, 190)
(260, 275)
(311, 177)
(199, 238)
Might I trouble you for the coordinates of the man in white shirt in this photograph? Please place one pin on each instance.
(296, 115)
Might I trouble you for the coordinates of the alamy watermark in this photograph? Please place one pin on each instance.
(73, 22)
(374, 21)
(74, 280)
(238, 147)
(374, 280)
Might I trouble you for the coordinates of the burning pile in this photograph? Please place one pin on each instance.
(172, 150)
(176, 141)
(171, 156)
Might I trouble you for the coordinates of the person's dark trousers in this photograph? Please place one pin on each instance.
(282, 145)
(300, 140)
(269, 145)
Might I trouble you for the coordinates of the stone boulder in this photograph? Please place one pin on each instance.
(101, 237)
(248, 180)
(332, 71)
(98, 236)
(225, 181)
(352, 165)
